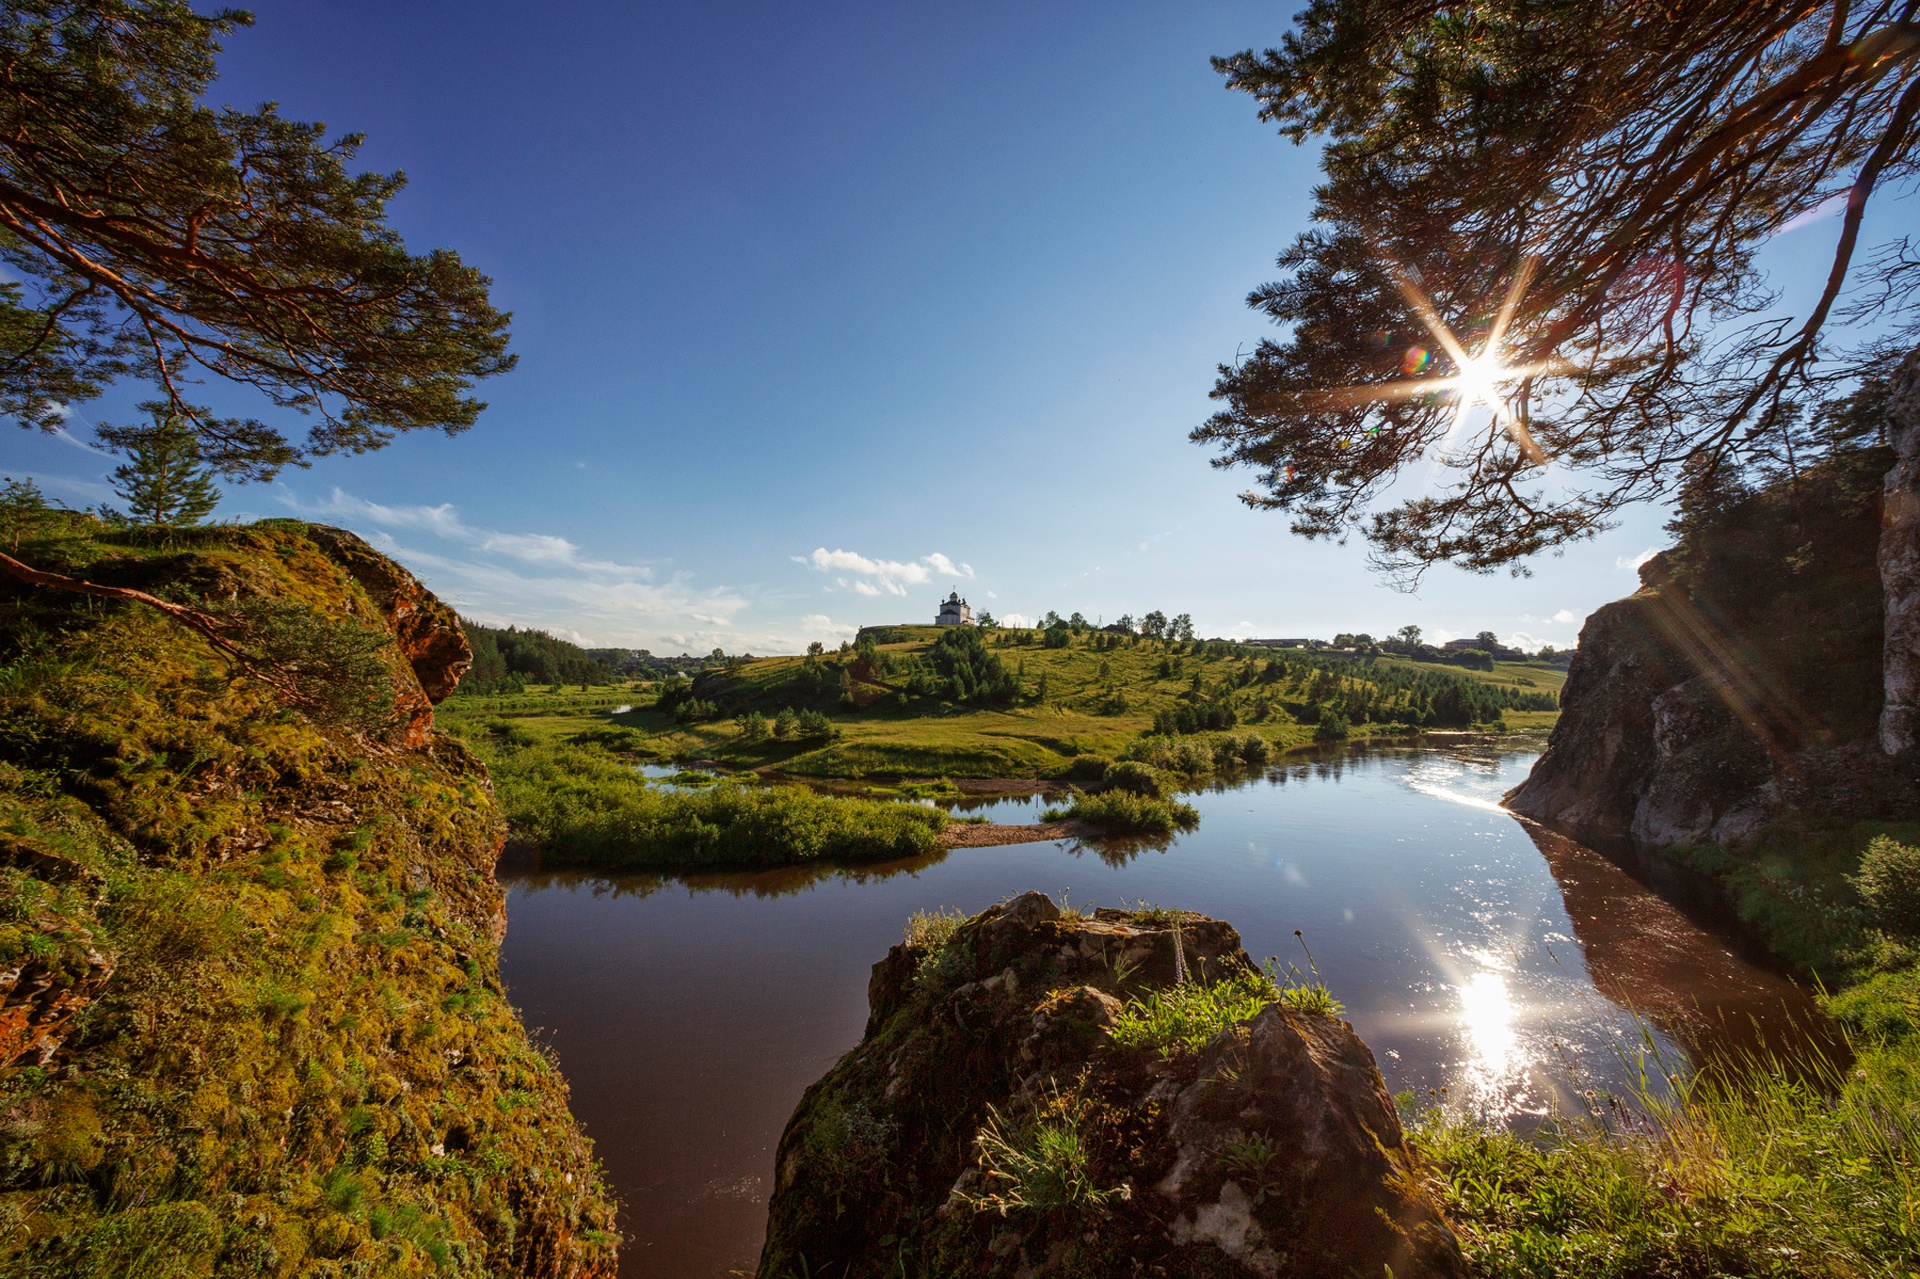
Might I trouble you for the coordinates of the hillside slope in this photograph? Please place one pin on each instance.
(253, 1021)
(900, 708)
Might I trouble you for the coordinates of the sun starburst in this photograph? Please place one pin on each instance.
(1483, 378)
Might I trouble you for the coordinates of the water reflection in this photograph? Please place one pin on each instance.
(1483, 959)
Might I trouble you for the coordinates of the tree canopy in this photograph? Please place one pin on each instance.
(151, 236)
(1552, 208)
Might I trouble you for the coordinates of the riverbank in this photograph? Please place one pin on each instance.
(1762, 1165)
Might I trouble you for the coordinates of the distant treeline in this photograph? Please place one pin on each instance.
(513, 660)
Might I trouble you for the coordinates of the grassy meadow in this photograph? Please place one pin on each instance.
(1081, 699)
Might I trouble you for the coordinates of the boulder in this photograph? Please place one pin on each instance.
(989, 1124)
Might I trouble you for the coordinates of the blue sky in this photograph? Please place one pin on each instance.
(823, 310)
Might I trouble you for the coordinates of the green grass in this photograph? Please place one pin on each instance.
(1183, 1017)
(581, 807)
(1776, 1168)
(895, 737)
(1772, 1173)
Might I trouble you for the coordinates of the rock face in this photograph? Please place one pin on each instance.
(1741, 681)
(988, 1124)
(1900, 564)
(249, 977)
(1650, 748)
(427, 632)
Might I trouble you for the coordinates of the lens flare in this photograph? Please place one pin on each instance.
(1416, 360)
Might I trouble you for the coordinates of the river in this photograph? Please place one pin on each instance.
(1488, 962)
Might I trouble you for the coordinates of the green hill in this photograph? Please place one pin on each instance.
(920, 701)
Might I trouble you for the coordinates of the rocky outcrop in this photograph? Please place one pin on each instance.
(1742, 681)
(1900, 564)
(427, 632)
(989, 1123)
(249, 979)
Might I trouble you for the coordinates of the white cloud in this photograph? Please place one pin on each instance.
(1621, 562)
(946, 567)
(65, 488)
(874, 577)
(1018, 620)
(1564, 615)
(543, 581)
(1818, 213)
(821, 624)
(444, 521)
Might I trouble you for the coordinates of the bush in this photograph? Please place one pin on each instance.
(584, 808)
(753, 726)
(1255, 750)
(1889, 883)
(1119, 812)
(1140, 779)
(1333, 727)
(1088, 768)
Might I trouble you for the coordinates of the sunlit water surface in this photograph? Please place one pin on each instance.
(1487, 962)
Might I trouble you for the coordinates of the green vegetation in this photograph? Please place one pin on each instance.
(162, 481)
(883, 709)
(513, 660)
(302, 1060)
(1041, 1165)
(1120, 812)
(581, 807)
(1183, 1017)
(1771, 1173)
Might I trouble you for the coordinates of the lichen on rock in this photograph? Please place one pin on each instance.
(990, 1123)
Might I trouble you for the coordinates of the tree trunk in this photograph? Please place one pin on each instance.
(1900, 566)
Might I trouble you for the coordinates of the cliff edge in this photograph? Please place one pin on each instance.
(251, 1019)
(1741, 684)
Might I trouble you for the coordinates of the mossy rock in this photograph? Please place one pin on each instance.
(994, 1122)
(294, 1054)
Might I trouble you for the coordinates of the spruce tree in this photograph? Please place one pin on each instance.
(163, 482)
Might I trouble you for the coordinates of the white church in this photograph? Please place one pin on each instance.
(954, 612)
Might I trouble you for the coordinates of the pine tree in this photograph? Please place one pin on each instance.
(163, 481)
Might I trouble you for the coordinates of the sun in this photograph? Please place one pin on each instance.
(1479, 379)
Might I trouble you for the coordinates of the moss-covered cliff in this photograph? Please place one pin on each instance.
(253, 1021)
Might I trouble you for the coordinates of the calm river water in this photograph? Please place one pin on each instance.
(1477, 954)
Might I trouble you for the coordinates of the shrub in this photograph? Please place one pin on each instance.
(786, 723)
(1088, 768)
(1333, 727)
(1889, 883)
(337, 673)
(585, 808)
(1120, 812)
(1138, 778)
(933, 929)
(1255, 749)
(753, 727)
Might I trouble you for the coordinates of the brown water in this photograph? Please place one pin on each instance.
(1477, 954)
